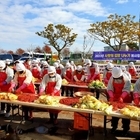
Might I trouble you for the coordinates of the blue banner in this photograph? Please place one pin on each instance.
(116, 55)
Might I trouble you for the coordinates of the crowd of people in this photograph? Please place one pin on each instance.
(19, 79)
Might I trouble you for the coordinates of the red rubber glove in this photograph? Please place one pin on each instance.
(136, 101)
(41, 91)
(11, 89)
(111, 95)
(18, 91)
(124, 94)
(120, 100)
(111, 99)
(136, 98)
(54, 92)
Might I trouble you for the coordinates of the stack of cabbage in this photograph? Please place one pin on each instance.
(8, 96)
(48, 100)
(131, 111)
(64, 82)
(90, 102)
(97, 84)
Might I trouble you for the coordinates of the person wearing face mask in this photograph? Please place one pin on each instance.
(59, 64)
(78, 75)
(118, 90)
(107, 73)
(59, 70)
(22, 82)
(27, 63)
(44, 69)
(35, 69)
(87, 65)
(73, 65)
(132, 70)
(51, 85)
(123, 68)
(68, 75)
(6, 76)
(95, 72)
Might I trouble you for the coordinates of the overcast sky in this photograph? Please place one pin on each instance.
(20, 19)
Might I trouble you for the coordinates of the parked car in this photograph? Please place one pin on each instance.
(22, 59)
(16, 56)
(65, 60)
(4, 57)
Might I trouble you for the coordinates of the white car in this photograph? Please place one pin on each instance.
(22, 59)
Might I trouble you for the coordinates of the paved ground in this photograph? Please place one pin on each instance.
(63, 133)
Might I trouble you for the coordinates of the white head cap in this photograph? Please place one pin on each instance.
(58, 61)
(2, 64)
(51, 69)
(68, 65)
(55, 64)
(110, 65)
(116, 72)
(95, 64)
(88, 61)
(20, 67)
(72, 63)
(123, 68)
(33, 61)
(131, 64)
(7, 61)
(45, 63)
(79, 68)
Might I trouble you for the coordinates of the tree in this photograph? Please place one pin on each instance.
(117, 30)
(65, 52)
(47, 49)
(20, 51)
(133, 46)
(3, 51)
(38, 50)
(11, 52)
(88, 44)
(59, 36)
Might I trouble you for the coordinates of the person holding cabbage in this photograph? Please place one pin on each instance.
(118, 90)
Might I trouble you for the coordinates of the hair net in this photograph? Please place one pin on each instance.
(45, 63)
(72, 63)
(88, 61)
(56, 65)
(58, 61)
(2, 64)
(123, 68)
(7, 61)
(79, 68)
(110, 66)
(68, 65)
(20, 67)
(131, 64)
(51, 69)
(117, 72)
